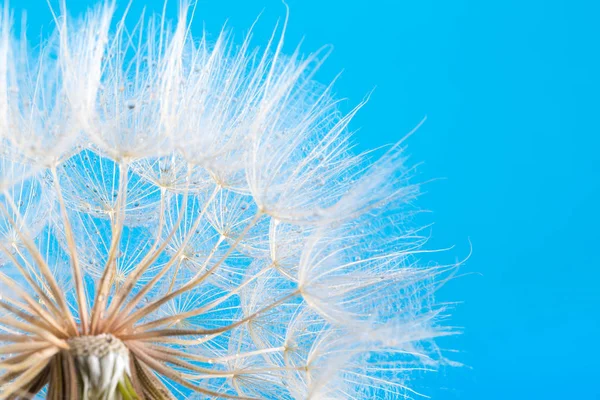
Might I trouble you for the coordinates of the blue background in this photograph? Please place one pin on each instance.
(511, 91)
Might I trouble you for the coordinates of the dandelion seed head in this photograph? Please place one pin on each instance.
(182, 218)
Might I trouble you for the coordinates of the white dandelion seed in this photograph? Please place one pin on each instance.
(180, 219)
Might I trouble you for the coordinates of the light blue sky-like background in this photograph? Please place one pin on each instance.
(511, 90)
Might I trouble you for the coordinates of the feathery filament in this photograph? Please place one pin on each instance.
(180, 219)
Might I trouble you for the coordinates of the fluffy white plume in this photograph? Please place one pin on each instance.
(199, 204)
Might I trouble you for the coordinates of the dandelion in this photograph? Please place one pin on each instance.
(185, 219)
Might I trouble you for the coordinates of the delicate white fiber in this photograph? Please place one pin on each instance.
(199, 204)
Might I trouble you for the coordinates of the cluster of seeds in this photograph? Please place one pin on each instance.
(181, 218)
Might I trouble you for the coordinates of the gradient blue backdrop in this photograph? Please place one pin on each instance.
(511, 90)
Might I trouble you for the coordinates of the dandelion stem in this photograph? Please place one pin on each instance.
(40, 332)
(131, 280)
(26, 360)
(175, 273)
(201, 310)
(133, 303)
(33, 250)
(31, 302)
(204, 359)
(30, 318)
(40, 292)
(23, 380)
(193, 283)
(77, 277)
(151, 335)
(117, 230)
(175, 376)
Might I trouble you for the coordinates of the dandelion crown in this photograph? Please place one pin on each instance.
(183, 219)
